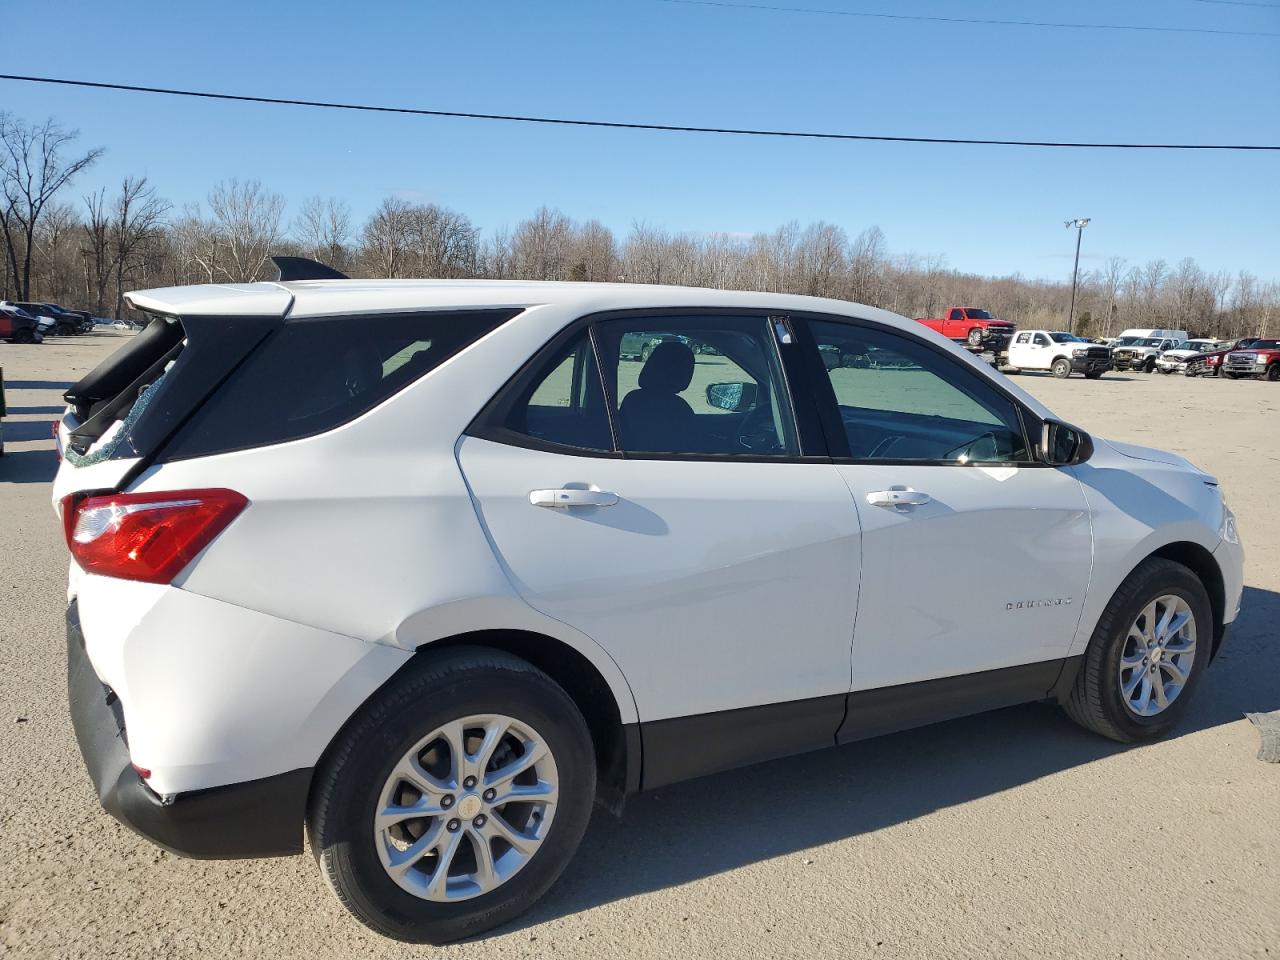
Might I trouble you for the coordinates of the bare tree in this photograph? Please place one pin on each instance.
(247, 219)
(137, 219)
(32, 171)
(323, 230)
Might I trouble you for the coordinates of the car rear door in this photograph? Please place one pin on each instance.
(975, 558)
(676, 511)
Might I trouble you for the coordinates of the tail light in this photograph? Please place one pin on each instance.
(146, 536)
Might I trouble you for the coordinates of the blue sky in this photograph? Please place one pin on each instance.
(987, 209)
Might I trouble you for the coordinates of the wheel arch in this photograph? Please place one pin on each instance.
(1201, 562)
(617, 743)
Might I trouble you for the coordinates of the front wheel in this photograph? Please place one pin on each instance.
(24, 336)
(1229, 376)
(1149, 367)
(1273, 372)
(455, 798)
(975, 337)
(1093, 374)
(1061, 368)
(1146, 655)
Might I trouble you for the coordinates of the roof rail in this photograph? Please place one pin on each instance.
(300, 268)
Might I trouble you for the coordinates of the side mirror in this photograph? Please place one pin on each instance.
(1062, 445)
(734, 397)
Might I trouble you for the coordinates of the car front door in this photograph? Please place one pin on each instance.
(975, 557)
(672, 509)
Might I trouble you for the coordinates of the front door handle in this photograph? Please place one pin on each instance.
(572, 498)
(897, 498)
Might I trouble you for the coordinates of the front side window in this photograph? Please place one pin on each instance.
(697, 385)
(899, 399)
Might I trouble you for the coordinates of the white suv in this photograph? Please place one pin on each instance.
(429, 567)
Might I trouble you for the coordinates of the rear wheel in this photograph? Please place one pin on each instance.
(1061, 368)
(455, 798)
(1146, 655)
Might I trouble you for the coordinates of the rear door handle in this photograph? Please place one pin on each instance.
(572, 498)
(897, 498)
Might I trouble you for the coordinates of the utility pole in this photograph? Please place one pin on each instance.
(1079, 223)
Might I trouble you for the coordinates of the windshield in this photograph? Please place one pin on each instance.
(1062, 337)
(1127, 341)
(1265, 345)
(1147, 342)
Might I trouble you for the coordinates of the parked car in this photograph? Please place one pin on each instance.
(1059, 352)
(65, 323)
(976, 329)
(1260, 360)
(1139, 353)
(394, 559)
(1174, 360)
(18, 326)
(1208, 364)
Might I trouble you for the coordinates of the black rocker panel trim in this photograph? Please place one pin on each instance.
(682, 748)
(871, 713)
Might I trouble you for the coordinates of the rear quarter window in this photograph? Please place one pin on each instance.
(313, 375)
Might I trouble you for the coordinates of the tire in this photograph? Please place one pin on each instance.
(1273, 372)
(1149, 366)
(24, 336)
(1190, 371)
(355, 778)
(1096, 701)
(1165, 371)
(1229, 376)
(1061, 368)
(1093, 374)
(644, 353)
(975, 337)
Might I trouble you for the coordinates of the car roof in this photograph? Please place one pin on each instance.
(316, 298)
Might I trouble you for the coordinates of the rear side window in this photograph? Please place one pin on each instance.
(313, 375)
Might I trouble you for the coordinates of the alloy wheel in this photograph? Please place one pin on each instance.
(1158, 656)
(467, 808)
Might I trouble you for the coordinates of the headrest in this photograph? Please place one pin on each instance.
(669, 368)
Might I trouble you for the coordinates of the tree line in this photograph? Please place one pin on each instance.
(86, 252)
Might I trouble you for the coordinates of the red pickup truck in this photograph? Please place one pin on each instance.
(1260, 359)
(978, 330)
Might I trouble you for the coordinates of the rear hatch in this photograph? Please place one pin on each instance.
(121, 414)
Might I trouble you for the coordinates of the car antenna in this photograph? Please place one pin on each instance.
(300, 268)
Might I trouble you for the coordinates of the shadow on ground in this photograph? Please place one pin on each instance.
(28, 466)
(19, 430)
(38, 384)
(694, 830)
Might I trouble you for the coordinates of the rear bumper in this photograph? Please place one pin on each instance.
(260, 818)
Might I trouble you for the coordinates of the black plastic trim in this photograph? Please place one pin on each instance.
(257, 818)
(682, 748)
(872, 713)
(686, 747)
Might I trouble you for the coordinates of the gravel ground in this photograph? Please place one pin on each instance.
(1013, 834)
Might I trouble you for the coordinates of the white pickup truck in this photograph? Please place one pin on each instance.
(1058, 352)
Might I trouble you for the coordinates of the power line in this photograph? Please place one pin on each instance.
(1242, 3)
(726, 4)
(622, 125)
